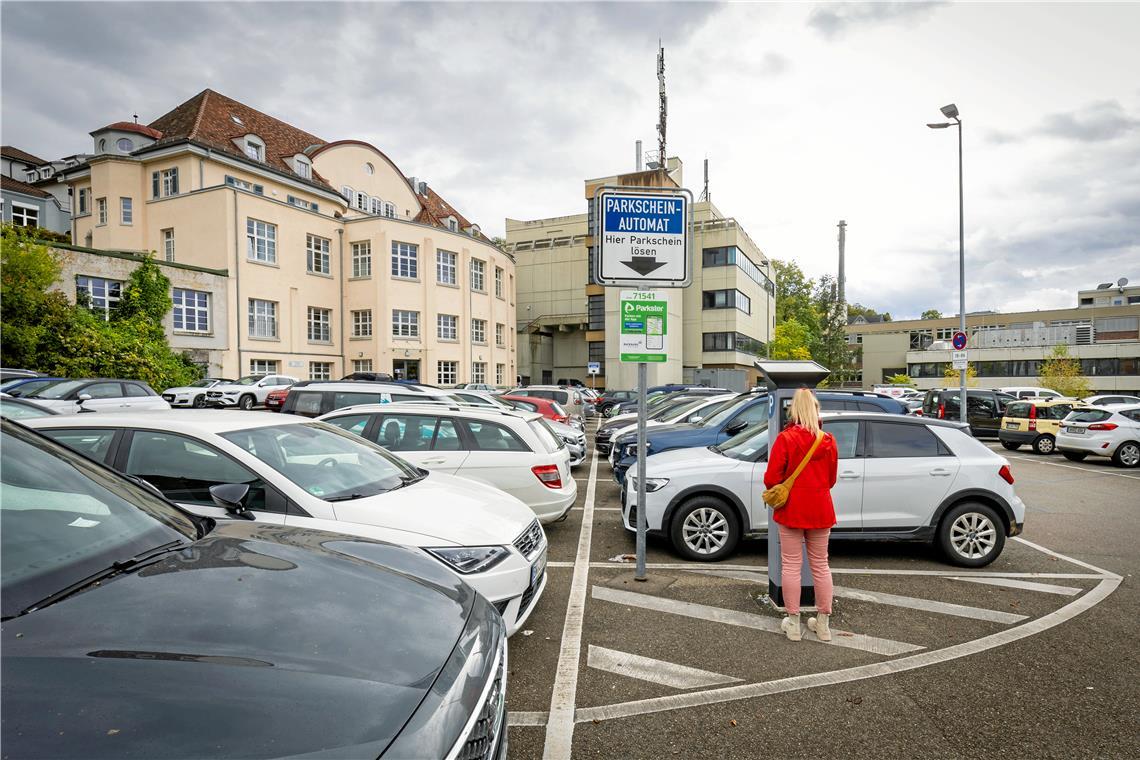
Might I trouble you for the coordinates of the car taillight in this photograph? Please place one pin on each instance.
(1005, 473)
(941, 411)
(548, 474)
(564, 419)
(1032, 418)
(1103, 426)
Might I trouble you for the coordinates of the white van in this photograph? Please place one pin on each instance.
(1030, 391)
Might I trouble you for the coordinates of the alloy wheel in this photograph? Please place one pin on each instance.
(705, 530)
(1129, 454)
(973, 535)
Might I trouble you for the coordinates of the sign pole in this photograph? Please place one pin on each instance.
(642, 526)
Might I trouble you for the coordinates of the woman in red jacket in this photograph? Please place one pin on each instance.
(808, 515)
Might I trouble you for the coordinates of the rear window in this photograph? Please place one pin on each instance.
(1057, 411)
(308, 404)
(342, 399)
(1018, 409)
(550, 442)
(558, 409)
(1090, 415)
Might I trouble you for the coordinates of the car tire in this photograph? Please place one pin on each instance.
(705, 529)
(1075, 456)
(246, 402)
(199, 401)
(1010, 445)
(608, 410)
(1044, 444)
(1127, 454)
(971, 534)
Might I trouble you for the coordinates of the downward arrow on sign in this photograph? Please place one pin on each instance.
(644, 265)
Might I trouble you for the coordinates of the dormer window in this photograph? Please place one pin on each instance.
(125, 145)
(453, 224)
(303, 166)
(255, 148)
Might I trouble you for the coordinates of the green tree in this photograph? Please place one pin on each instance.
(794, 295)
(900, 379)
(954, 376)
(791, 341)
(1062, 373)
(859, 310)
(830, 347)
(931, 314)
(28, 307)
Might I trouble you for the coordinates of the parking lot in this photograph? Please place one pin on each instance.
(1022, 658)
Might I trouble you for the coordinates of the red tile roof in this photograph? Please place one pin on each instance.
(8, 151)
(436, 210)
(16, 186)
(130, 126)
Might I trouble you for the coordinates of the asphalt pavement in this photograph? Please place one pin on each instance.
(1032, 656)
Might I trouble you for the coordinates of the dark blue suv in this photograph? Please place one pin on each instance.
(750, 409)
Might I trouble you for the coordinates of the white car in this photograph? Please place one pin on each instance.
(573, 437)
(900, 478)
(246, 392)
(98, 395)
(1103, 432)
(1111, 399)
(513, 451)
(193, 394)
(302, 473)
(1030, 391)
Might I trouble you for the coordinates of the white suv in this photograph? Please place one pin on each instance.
(246, 392)
(1107, 431)
(282, 470)
(512, 451)
(907, 478)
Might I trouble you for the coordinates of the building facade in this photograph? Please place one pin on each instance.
(724, 320)
(1007, 349)
(335, 261)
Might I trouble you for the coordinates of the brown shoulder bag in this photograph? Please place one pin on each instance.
(777, 496)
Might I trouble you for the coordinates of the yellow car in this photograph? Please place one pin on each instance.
(1035, 421)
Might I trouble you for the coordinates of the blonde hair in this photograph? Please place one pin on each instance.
(804, 410)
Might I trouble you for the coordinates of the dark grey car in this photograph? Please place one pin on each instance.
(133, 629)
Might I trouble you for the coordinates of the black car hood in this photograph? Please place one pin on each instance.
(256, 641)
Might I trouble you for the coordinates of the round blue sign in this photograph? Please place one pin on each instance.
(959, 340)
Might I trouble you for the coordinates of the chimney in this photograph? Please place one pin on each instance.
(843, 267)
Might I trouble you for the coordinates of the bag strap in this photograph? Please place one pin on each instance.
(807, 457)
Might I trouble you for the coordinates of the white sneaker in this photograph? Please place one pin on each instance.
(791, 627)
(821, 626)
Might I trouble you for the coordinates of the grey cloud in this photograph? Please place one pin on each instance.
(835, 19)
(1104, 120)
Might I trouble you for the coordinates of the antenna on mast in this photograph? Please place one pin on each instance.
(705, 192)
(661, 118)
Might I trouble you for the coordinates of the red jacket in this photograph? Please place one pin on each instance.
(809, 502)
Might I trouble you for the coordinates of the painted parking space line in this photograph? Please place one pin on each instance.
(1042, 460)
(516, 718)
(1045, 588)
(845, 639)
(695, 567)
(1058, 555)
(654, 671)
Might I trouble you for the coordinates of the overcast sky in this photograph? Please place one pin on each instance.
(808, 114)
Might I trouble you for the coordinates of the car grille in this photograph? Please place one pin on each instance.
(528, 595)
(168, 397)
(213, 394)
(604, 435)
(530, 541)
(483, 739)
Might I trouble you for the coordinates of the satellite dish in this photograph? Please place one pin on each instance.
(1122, 281)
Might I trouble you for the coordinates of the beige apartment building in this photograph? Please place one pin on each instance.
(334, 260)
(725, 318)
(1007, 349)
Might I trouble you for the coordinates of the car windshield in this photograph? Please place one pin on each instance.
(64, 518)
(675, 410)
(712, 409)
(725, 412)
(14, 410)
(58, 390)
(325, 461)
(248, 380)
(747, 444)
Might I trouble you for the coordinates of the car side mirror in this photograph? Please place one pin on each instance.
(231, 497)
(696, 419)
(736, 427)
(81, 399)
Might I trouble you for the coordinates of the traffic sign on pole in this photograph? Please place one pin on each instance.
(960, 359)
(642, 237)
(593, 368)
(644, 317)
(959, 341)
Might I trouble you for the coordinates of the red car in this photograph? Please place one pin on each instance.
(551, 410)
(276, 399)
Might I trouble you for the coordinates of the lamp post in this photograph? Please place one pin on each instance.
(951, 112)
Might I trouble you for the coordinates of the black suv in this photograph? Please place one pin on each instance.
(984, 407)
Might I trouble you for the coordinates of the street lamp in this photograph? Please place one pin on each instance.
(951, 112)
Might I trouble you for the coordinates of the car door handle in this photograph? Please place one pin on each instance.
(848, 475)
(939, 472)
(435, 461)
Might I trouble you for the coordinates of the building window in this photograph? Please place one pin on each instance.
(447, 327)
(101, 208)
(125, 145)
(27, 216)
(191, 310)
(293, 200)
(479, 330)
(405, 260)
(596, 312)
(346, 191)
(498, 282)
(362, 323)
(445, 267)
(390, 210)
(500, 373)
(262, 241)
(361, 365)
(920, 340)
(126, 211)
(84, 200)
(262, 318)
(452, 224)
(361, 202)
(263, 366)
(362, 259)
(320, 370)
(320, 325)
(168, 243)
(477, 269)
(303, 166)
(730, 255)
(255, 148)
(99, 295)
(500, 334)
(317, 254)
(405, 324)
(377, 207)
(243, 185)
(164, 183)
(596, 350)
(447, 373)
(726, 299)
(478, 372)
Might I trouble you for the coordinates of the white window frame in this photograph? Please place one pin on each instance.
(478, 331)
(405, 260)
(447, 327)
(405, 323)
(84, 204)
(360, 202)
(362, 323)
(361, 365)
(262, 319)
(478, 372)
(265, 233)
(168, 243)
(101, 208)
(318, 323)
(389, 210)
(264, 366)
(164, 182)
(500, 373)
(361, 258)
(500, 334)
(100, 297)
(191, 311)
(26, 214)
(446, 271)
(126, 211)
(254, 147)
(447, 372)
(479, 275)
(303, 167)
(498, 282)
(377, 207)
(317, 258)
(320, 370)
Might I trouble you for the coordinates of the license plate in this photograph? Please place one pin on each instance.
(538, 567)
(1076, 431)
(1011, 426)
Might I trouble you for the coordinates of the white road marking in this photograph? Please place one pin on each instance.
(1042, 460)
(560, 726)
(654, 671)
(515, 718)
(1058, 555)
(747, 620)
(893, 600)
(1044, 588)
(695, 567)
(902, 664)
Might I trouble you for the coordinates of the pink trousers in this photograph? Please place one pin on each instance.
(791, 562)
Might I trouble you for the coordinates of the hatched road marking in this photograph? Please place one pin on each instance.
(654, 671)
(1045, 588)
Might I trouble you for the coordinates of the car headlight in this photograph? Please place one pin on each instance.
(651, 484)
(470, 559)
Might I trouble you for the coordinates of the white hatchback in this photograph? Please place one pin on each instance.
(300, 473)
(512, 451)
(1107, 431)
(900, 478)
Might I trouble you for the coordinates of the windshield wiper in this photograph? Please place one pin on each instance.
(346, 497)
(115, 568)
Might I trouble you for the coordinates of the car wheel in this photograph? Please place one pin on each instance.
(1075, 456)
(705, 529)
(200, 401)
(971, 535)
(1011, 445)
(1127, 454)
(1044, 444)
(608, 410)
(245, 402)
